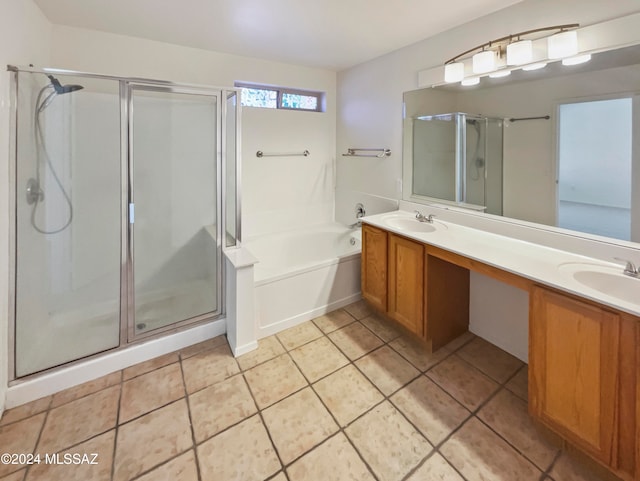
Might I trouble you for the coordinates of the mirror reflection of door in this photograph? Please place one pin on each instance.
(594, 167)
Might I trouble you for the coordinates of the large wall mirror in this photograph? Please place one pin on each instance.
(554, 146)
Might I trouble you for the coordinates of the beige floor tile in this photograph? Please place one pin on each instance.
(203, 346)
(435, 468)
(243, 452)
(268, 348)
(150, 391)
(209, 367)
(480, 455)
(102, 446)
(417, 353)
(18, 438)
(466, 384)
(219, 406)
(519, 384)
(182, 468)
(298, 423)
(334, 460)
(333, 320)
(26, 410)
(387, 369)
(298, 335)
(347, 394)
(568, 469)
(274, 380)
(507, 415)
(150, 365)
(460, 341)
(430, 409)
(382, 327)
(279, 477)
(17, 476)
(318, 358)
(491, 360)
(152, 439)
(85, 389)
(355, 340)
(80, 420)
(359, 309)
(388, 443)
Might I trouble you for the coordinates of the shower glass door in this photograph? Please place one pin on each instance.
(174, 210)
(68, 219)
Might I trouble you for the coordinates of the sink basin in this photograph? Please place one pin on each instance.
(409, 225)
(606, 280)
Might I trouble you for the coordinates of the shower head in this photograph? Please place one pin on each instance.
(63, 89)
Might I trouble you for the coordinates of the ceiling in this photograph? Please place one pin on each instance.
(332, 34)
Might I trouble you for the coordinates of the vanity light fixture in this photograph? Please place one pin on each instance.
(484, 61)
(453, 72)
(563, 44)
(520, 52)
(523, 50)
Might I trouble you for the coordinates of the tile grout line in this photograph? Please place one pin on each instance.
(191, 427)
(117, 428)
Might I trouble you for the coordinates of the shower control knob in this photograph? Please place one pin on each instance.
(34, 192)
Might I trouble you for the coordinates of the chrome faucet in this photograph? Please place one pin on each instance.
(423, 218)
(630, 268)
(360, 212)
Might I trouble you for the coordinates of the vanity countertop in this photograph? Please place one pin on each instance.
(563, 270)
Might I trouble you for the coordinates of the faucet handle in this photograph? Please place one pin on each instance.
(419, 215)
(629, 268)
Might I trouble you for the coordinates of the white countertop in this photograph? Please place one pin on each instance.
(538, 263)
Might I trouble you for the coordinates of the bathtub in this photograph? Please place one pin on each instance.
(303, 274)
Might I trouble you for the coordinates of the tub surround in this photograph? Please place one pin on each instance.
(302, 274)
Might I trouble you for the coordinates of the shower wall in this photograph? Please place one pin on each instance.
(278, 193)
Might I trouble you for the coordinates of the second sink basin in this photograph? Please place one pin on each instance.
(409, 225)
(606, 280)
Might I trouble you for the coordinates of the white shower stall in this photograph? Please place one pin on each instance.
(119, 209)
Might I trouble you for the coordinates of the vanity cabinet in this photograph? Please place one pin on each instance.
(583, 377)
(407, 281)
(374, 267)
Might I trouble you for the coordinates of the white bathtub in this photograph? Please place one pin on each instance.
(303, 274)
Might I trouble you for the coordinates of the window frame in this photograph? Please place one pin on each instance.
(280, 91)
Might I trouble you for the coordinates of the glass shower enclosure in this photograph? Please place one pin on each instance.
(457, 157)
(119, 211)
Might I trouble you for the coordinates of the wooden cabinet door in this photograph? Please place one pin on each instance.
(406, 283)
(374, 266)
(574, 370)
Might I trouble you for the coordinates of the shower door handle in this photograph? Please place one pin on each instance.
(132, 213)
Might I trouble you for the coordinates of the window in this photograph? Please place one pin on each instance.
(269, 97)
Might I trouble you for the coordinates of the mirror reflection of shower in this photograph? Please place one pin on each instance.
(476, 160)
(35, 192)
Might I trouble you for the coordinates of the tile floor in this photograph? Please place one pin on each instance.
(343, 397)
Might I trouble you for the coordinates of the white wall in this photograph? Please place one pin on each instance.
(370, 112)
(25, 37)
(278, 192)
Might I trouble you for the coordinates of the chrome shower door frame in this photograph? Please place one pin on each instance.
(127, 227)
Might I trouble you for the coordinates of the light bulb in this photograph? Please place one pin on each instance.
(470, 81)
(534, 66)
